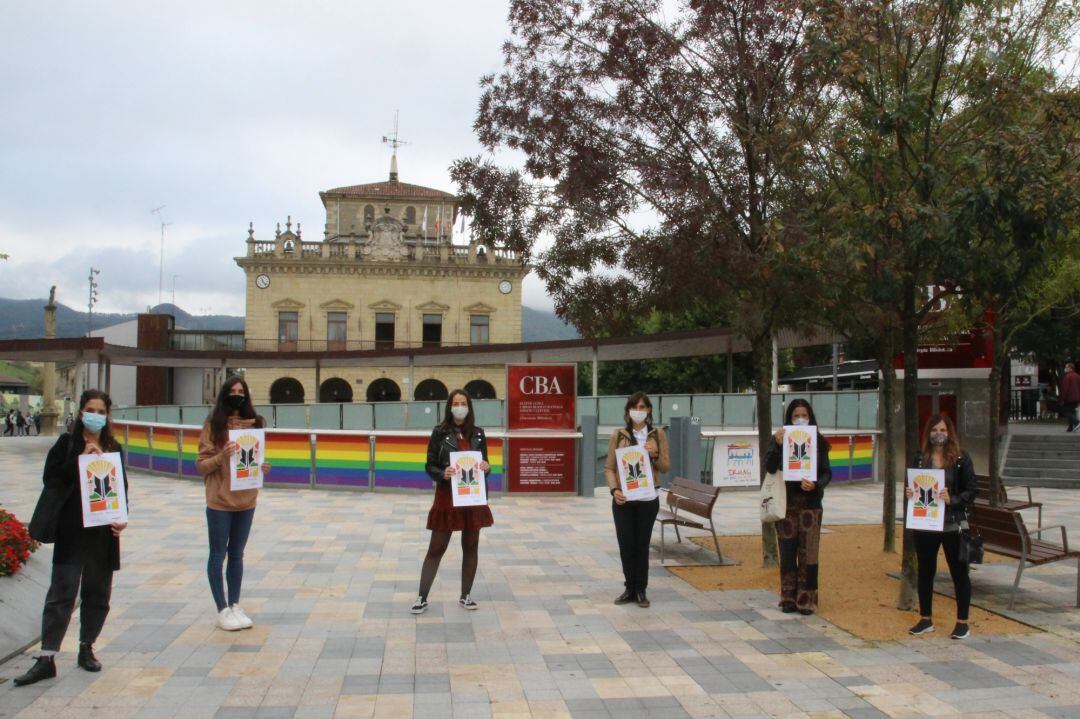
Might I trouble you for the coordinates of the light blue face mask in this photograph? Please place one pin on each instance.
(802, 421)
(93, 421)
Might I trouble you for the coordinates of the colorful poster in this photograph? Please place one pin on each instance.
(735, 463)
(245, 465)
(800, 453)
(925, 510)
(101, 485)
(635, 473)
(468, 486)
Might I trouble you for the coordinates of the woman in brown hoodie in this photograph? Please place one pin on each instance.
(634, 519)
(228, 513)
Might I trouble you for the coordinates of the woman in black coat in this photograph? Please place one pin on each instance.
(799, 532)
(456, 433)
(941, 450)
(86, 556)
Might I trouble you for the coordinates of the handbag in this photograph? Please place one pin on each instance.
(773, 498)
(46, 517)
(971, 544)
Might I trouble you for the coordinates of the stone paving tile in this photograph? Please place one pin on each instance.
(329, 577)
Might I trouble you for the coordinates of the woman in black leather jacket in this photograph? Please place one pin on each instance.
(456, 433)
(941, 450)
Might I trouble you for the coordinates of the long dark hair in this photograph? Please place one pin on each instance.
(107, 441)
(447, 424)
(952, 447)
(631, 402)
(794, 405)
(219, 417)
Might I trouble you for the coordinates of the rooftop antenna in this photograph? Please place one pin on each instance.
(161, 262)
(394, 143)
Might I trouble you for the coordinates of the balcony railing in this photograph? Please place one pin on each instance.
(352, 250)
(234, 341)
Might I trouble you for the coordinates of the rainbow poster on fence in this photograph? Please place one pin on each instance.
(399, 462)
(165, 456)
(101, 485)
(289, 455)
(138, 447)
(189, 452)
(862, 457)
(343, 460)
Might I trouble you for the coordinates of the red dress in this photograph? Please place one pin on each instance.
(445, 517)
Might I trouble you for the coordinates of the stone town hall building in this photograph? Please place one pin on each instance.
(385, 275)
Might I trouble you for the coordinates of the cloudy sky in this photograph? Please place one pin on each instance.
(224, 112)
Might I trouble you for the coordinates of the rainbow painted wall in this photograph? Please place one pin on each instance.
(851, 457)
(399, 462)
(343, 460)
(289, 454)
(137, 447)
(164, 450)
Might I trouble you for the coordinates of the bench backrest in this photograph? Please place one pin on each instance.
(1002, 527)
(983, 481)
(693, 497)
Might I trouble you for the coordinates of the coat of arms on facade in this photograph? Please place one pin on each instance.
(385, 242)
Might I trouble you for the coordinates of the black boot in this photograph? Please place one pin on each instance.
(44, 668)
(87, 660)
(626, 597)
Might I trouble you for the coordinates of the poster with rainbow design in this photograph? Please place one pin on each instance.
(468, 487)
(245, 465)
(635, 473)
(800, 453)
(925, 509)
(101, 484)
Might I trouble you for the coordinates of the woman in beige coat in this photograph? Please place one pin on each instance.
(634, 520)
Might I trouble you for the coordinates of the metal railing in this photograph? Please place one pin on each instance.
(353, 249)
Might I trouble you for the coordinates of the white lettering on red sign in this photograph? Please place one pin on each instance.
(538, 384)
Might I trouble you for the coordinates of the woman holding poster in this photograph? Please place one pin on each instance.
(456, 433)
(635, 516)
(799, 532)
(82, 554)
(229, 512)
(941, 450)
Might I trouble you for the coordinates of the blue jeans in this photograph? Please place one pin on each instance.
(228, 535)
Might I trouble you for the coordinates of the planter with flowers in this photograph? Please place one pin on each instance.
(16, 545)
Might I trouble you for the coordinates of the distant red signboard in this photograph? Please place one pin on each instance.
(541, 396)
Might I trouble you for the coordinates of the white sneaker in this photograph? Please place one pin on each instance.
(241, 615)
(227, 620)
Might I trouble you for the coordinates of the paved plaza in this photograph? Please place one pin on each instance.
(330, 576)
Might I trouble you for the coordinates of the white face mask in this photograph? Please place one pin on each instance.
(459, 412)
(637, 416)
(801, 421)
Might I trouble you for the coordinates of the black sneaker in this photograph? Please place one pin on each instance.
(642, 599)
(925, 626)
(961, 631)
(419, 606)
(466, 602)
(787, 608)
(626, 597)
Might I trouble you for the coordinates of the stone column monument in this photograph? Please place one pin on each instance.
(48, 374)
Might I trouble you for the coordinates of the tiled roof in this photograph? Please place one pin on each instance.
(402, 190)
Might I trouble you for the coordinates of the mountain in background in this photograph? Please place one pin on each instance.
(543, 326)
(25, 319)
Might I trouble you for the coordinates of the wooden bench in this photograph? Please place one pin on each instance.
(1003, 532)
(685, 499)
(983, 497)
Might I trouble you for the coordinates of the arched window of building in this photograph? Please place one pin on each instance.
(480, 389)
(335, 389)
(286, 390)
(383, 390)
(410, 215)
(430, 390)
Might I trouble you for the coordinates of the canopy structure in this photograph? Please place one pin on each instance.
(692, 343)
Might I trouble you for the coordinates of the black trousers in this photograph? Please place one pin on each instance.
(926, 547)
(95, 576)
(633, 527)
(1070, 414)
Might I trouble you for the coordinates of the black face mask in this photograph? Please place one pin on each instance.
(235, 401)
